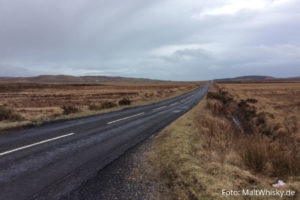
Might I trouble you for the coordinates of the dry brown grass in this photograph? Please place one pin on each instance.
(8, 114)
(273, 115)
(278, 102)
(204, 151)
(37, 103)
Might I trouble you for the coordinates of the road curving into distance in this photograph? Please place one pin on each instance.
(49, 161)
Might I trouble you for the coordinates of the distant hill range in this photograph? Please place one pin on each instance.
(73, 79)
(256, 78)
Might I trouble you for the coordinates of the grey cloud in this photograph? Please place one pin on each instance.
(118, 37)
(272, 60)
(188, 54)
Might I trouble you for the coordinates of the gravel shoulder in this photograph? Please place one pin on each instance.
(129, 177)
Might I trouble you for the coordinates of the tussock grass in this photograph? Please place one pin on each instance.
(9, 114)
(253, 152)
(95, 107)
(70, 109)
(124, 101)
(108, 104)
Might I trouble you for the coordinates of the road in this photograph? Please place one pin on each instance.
(49, 161)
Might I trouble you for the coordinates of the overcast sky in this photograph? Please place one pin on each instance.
(160, 39)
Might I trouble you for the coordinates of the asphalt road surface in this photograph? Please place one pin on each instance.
(49, 161)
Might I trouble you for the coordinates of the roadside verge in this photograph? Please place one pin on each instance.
(202, 154)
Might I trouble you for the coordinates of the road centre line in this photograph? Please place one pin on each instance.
(174, 104)
(35, 144)
(160, 108)
(125, 118)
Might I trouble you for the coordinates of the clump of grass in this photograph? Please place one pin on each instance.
(217, 107)
(102, 105)
(95, 107)
(220, 95)
(67, 110)
(108, 104)
(284, 159)
(253, 152)
(8, 114)
(124, 101)
(257, 152)
(281, 162)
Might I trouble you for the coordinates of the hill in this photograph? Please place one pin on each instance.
(246, 78)
(256, 78)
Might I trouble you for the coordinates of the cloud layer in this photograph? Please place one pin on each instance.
(161, 39)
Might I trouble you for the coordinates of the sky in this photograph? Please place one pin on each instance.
(158, 39)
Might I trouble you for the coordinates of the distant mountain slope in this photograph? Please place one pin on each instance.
(247, 78)
(257, 78)
(73, 79)
(292, 78)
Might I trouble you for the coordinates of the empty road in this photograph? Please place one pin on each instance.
(49, 161)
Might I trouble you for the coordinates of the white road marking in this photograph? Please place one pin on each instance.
(174, 104)
(38, 143)
(125, 118)
(160, 108)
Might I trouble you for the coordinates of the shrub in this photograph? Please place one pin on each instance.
(69, 109)
(95, 107)
(124, 101)
(8, 114)
(108, 104)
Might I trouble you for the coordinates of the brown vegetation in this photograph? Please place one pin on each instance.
(273, 117)
(108, 104)
(124, 101)
(240, 137)
(69, 110)
(34, 103)
(8, 114)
